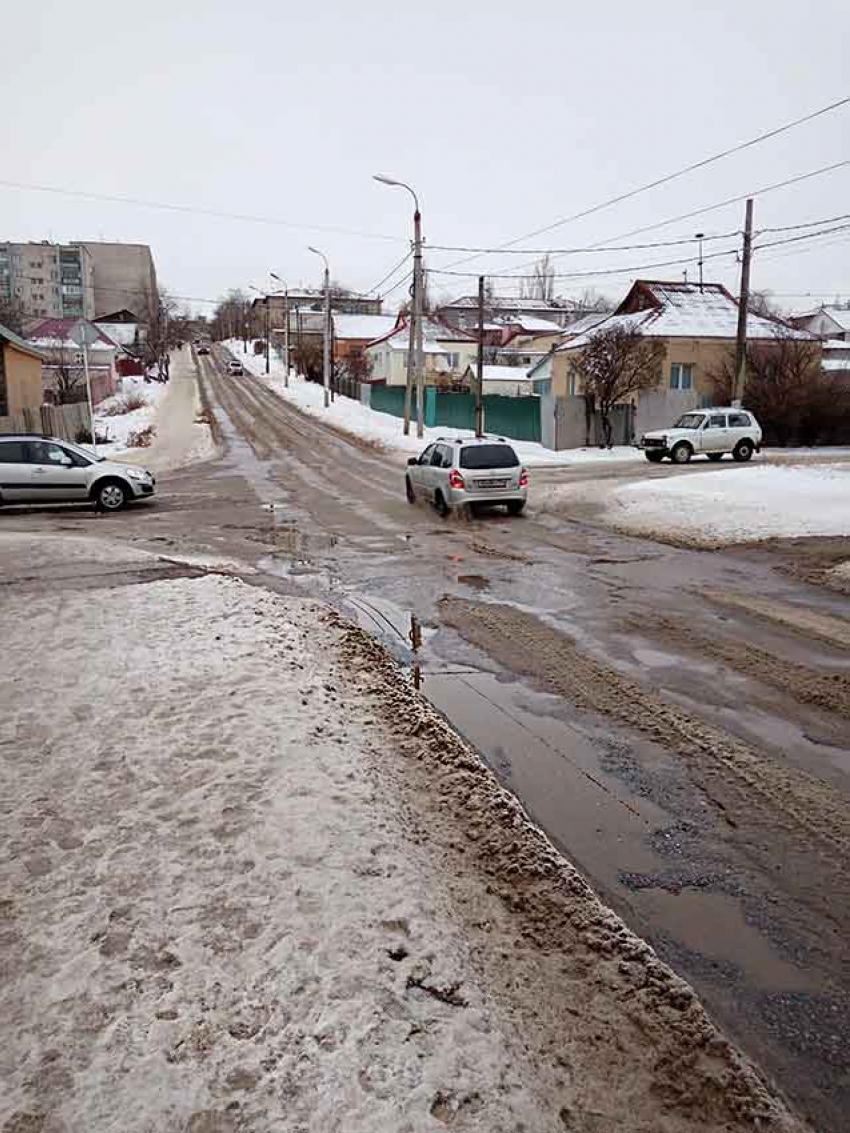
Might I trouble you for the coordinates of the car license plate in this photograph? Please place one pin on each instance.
(491, 483)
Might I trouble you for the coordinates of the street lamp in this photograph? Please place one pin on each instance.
(415, 355)
(700, 236)
(326, 353)
(285, 324)
(265, 296)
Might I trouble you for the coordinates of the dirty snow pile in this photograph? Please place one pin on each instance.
(384, 429)
(738, 504)
(118, 427)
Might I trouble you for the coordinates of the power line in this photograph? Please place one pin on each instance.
(391, 273)
(719, 204)
(395, 286)
(199, 211)
(576, 251)
(809, 224)
(668, 177)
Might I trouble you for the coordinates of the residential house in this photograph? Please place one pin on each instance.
(124, 329)
(47, 280)
(20, 374)
(463, 312)
(304, 302)
(697, 324)
(508, 381)
(353, 333)
(827, 322)
(448, 351)
(836, 355)
(60, 341)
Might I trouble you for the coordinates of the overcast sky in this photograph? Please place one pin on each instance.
(505, 117)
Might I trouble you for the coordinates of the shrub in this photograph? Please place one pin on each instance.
(83, 436)
(118, 406)
(141, 438)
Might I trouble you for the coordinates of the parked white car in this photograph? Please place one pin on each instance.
(36, 469)
(234, 368)
(711, 432)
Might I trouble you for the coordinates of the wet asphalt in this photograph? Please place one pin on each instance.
(291, 505)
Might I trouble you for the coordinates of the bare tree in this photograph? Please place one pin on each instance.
(68, 374)
(592, 300)
(357, 365)
(762, 303)
(616, 365)
(541, 285)
(787, 389)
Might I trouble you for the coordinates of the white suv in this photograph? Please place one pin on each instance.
(709, 431)
(455, 471)
(36, 469)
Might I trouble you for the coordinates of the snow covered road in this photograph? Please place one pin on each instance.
(251, 881)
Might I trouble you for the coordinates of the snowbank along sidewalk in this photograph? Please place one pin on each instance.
(252, 881)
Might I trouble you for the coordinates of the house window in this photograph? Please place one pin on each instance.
(573, 383)
(681, 375)
(453, 361)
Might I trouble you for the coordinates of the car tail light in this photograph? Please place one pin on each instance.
(456, 480)
(523, 478)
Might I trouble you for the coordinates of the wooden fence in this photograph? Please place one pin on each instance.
(65, 421)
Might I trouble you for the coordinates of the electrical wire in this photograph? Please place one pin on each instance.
(198, 211)
(668, 177)
(717, 205)
(576, 251)
(391, 273)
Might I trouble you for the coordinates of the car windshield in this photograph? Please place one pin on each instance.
(689, 421)
(488, 456)
(80, 451)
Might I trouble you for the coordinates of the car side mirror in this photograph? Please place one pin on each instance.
(66, 462)
(413, 460)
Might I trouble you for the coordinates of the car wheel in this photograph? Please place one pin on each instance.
(409, 492)
(654, 457)
(743, 451)
(111, 496)
(515, 507)
(715, 456)
(682, 453)
(440, 504)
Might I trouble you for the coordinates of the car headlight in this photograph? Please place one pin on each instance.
(138, 474)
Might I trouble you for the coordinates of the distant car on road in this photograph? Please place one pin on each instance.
(36, 469)
(711, 432)
(455, 471)
(234, 368)
(203, 348)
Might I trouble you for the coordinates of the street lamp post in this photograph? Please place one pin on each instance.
(415, 354)
(285, 326)
(326, 353)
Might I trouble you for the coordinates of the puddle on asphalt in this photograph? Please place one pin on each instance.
(714, 926)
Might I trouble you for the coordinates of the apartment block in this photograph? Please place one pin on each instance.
(48, 280)
(124, 278)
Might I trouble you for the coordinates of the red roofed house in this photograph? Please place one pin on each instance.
(60, 342)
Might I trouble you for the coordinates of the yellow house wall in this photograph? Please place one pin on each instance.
(23, 380)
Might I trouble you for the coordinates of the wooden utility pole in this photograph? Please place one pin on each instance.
(268, 334)
(741, 340)
(479, 384)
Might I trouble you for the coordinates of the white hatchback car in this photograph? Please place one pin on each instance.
(711, 432)
(455, 471)
(36, 469)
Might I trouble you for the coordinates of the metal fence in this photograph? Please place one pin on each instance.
(514, 417)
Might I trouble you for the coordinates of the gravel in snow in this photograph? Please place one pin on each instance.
(251, 881)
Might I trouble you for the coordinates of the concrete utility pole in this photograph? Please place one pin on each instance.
(268, 333)
(326, 353)
(285, 326)
(415, 350)
(89, 334)
(700, 236)
(479, 385)
(740, 378)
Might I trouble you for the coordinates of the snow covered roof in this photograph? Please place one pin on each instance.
(15, 340)
(49, 343)
(836, 364)
(368, 327)
(531, 324)
(683, 310)
(124, 334)
(505, 374)
(433, 333)
(584, 322)
(840, 315)
(511, 303)
(65, 332)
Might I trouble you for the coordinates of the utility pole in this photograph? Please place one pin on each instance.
(286, 334)
(700, 236)
(415, 352)
(418, 289)
(85, 331)
(326, 352)
(740, 378)
(479, 385)
(268, 334)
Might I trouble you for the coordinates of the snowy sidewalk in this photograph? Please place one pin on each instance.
(250, 881)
